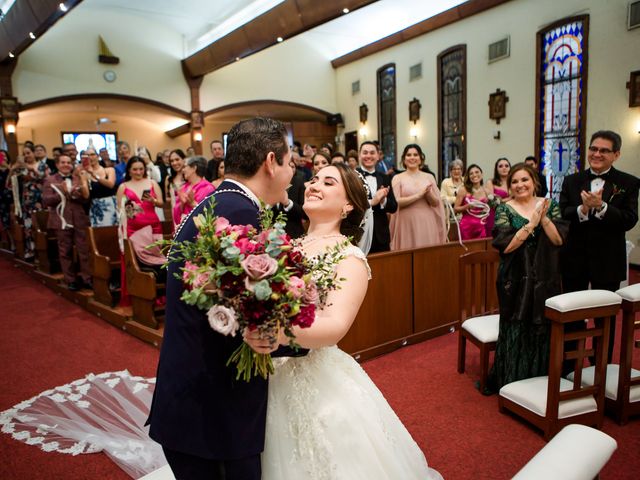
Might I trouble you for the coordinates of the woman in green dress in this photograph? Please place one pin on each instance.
(528, 233)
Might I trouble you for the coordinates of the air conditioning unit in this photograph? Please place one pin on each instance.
(415, 72)
(633, 15)
(355, 87)
(499, 50)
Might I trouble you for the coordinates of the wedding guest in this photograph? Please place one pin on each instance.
(191, 152)
(542, 180)
(219, 177)
(528, 234)
(123, 151)
(472, 202)
(217, 156)
(175, 180)
(292, 202)
(105, 159)
(382, 200)
(337, 157)
(6, 200)
(301, 166)
(320, 160)
(103, 209)
(500, 188)
(449, 188)
(419, 220)
(352, 159)
(162, 162)
(65, 194)
(602, 205)
(40, 152)
(195, 189)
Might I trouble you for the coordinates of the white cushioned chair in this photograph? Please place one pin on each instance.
(551, 402)
(575, 453)
(478, 303)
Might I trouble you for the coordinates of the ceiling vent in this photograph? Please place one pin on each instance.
(499, 50)
(355, 87)
(633, 16)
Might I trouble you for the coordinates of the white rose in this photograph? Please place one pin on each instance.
(223, 320)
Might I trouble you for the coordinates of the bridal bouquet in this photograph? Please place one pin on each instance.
(245, 278)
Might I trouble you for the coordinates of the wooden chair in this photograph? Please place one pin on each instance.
(46, 247)
(104, 254)
(478, 303)
(551, 402)
(576, 453)
(143, 289)
(622, 388)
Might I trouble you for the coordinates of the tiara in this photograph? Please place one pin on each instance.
(364, 183)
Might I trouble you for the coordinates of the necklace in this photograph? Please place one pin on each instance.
(307, 239)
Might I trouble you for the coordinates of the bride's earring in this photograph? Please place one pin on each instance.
(343, 215)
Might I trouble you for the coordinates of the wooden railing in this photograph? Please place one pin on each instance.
(412, 296)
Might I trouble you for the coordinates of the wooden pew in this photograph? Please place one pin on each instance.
(46, 247)
(104, 255)
(143, 290)
(18, 234)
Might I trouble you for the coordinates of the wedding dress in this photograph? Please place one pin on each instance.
(326, 419)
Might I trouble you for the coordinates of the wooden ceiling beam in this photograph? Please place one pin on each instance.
(286, 20)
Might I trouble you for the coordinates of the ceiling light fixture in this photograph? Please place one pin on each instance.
(345, 10)
(280, 39)
(32, 36)
(62, 7)
(11, 55)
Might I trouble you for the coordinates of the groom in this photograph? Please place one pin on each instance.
(210, 425)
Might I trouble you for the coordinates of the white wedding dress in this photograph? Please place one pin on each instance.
(326, 420)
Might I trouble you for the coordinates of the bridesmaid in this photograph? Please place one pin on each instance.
(473, 203)
(419, 221)
(500, 186)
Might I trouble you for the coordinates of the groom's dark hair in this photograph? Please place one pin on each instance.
(250, 141)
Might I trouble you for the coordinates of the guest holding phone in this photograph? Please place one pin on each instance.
(195, 189)
(103, 210)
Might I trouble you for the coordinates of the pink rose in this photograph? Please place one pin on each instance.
(296, 286)
(306, 317)
(221, 224)
(310, 294)
(201, 279)
(223, 320)
(258, 267)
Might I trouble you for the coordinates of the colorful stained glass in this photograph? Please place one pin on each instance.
(451, 107)
(387, 109)
(561, 102)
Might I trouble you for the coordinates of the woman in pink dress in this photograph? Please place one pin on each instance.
(420, 219)
(195, 189)
(473, 202)
(500, 187)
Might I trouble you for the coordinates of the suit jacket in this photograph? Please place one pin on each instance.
(596, 248)
(198, 407)
(75, 210)
(381, 234)
(296, 214)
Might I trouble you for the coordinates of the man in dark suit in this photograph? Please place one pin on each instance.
(542, 180)
(382, 200)
(217, 156)
(66, 194)
(602, 204)
(291, 203)
(210, 425)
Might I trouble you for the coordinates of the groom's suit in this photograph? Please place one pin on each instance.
(198, 407)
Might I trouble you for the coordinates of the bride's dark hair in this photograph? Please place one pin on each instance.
(357, 197)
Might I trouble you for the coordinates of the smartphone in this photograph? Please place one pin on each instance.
(146, 193)
(85, 162)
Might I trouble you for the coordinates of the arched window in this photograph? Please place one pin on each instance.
(452, 111)
(561, 100)
(387, 112)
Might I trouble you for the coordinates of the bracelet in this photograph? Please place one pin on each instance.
(527, 229)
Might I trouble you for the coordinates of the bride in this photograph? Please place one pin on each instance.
(325, 417)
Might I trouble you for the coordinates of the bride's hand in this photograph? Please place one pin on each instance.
(258, 343)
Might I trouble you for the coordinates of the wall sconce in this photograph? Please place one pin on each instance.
(413, 132)
(364, 113)
(197, 137)
(10, 127)
(414, 111)
(363, 131)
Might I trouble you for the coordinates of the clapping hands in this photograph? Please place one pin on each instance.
(540, 212)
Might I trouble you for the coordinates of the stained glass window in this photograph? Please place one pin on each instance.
(451, 113)
(387, 112)
(562, 67)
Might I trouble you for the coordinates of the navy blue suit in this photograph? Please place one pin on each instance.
(198, 407)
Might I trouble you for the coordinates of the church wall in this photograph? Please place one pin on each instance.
(65, 60)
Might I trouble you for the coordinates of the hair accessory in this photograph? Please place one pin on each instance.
(364, 183)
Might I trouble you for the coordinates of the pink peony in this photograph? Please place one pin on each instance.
(245, 245)
(296, 287)
(223, 320)
(221, 224)
(310, 294)
(258, 267)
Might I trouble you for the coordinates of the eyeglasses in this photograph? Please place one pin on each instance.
(601, 151)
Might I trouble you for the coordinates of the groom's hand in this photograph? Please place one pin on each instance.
(258, 343)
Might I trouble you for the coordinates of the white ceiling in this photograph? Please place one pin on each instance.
(194, 19)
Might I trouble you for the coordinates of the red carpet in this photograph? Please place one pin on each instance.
(48, 341)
